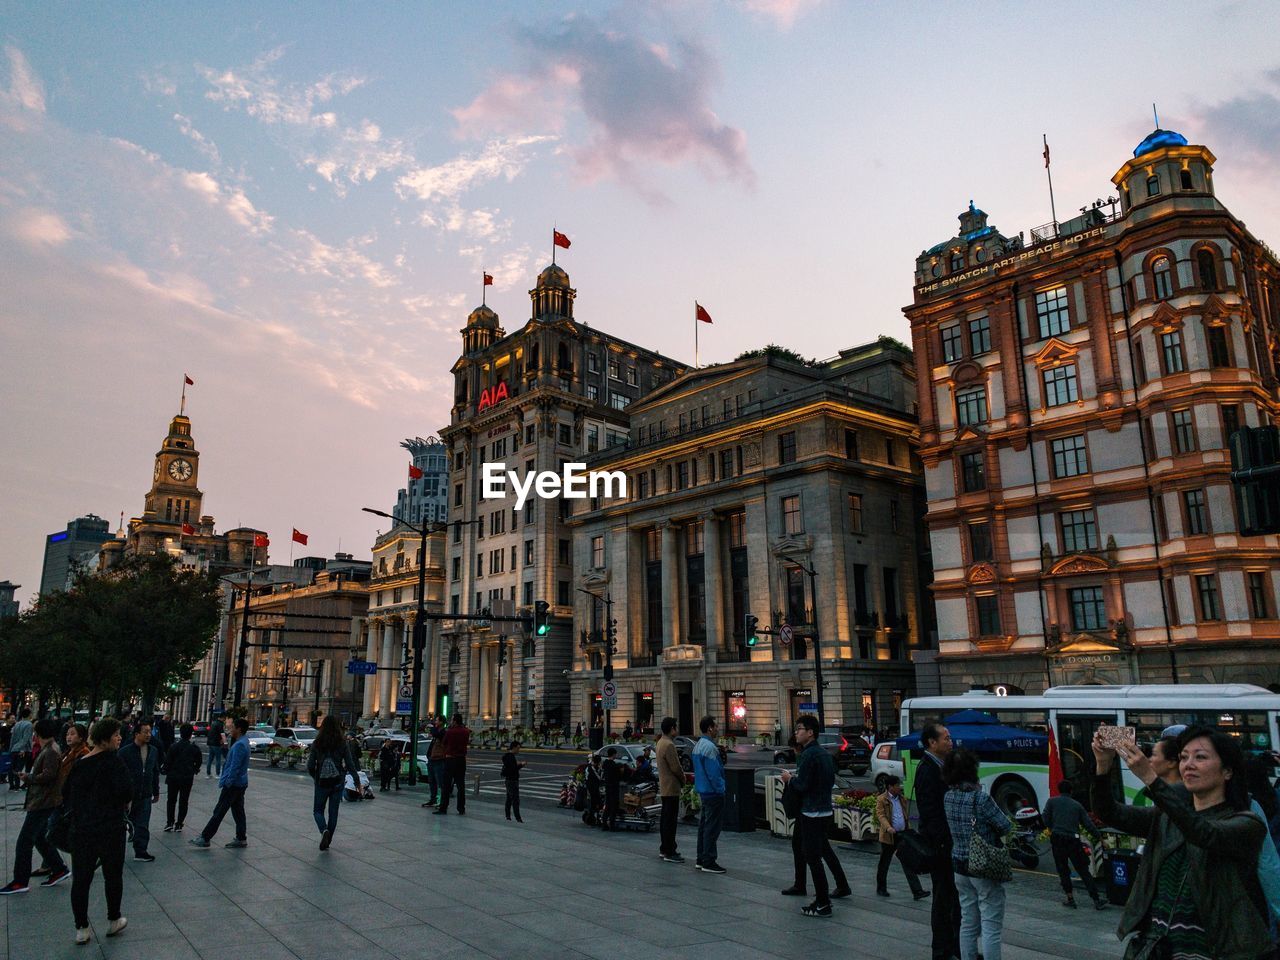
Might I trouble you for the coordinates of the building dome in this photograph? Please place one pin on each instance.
(482, 316)
(553, 276)
(1158, 139)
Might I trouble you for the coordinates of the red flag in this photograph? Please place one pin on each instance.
(488, 279)
(1046, 154)
(188, 529)
(415, 473)
(299, 537)
(559, 239)
(260, 540)
(1055, 765)
(701, 312)
(188, 380)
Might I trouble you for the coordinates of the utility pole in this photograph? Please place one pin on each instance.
(244, 640)
(817, 642)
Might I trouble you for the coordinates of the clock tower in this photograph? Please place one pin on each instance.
(174, 496)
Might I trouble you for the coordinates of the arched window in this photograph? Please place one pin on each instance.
(562, 361)
(1207, 264)
(1153, 186)
(1162, 275)
(1184, 176)
(534, 358)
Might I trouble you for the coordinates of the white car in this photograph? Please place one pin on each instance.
(885, 762)
(295, 737)
(259, 741)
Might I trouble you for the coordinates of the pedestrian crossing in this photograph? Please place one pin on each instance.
(533, 786)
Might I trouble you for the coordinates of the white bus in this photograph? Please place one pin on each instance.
(1075, 712)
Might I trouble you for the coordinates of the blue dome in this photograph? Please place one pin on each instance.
(1158, 139)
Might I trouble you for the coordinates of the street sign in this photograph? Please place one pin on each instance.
(808, 708)
(787, 633)
(406, 691)
(366, 667)
(609, 695)
(404, 706)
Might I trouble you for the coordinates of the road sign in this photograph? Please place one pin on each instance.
(404, 706)
(808, 708)
(787, 633)
(406, 691)
(366, 667)
(609, 695)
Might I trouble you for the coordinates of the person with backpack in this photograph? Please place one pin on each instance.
(328, 762)
(182, 763)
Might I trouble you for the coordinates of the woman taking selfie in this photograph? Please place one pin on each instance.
(1196, 893)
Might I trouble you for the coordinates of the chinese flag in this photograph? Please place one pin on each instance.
(299, 537)
(1055, 765)
(188, 380)
(260, 540)
(488, 279)
(1046, 166)
(188, 529)
(415, 473)
(559, 239)
(701, 312)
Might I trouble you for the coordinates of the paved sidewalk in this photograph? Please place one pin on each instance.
(400, 883)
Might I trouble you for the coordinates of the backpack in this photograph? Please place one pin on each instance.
(330, 773)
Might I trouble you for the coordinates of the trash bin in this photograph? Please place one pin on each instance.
(1121, 870)
(739, 800)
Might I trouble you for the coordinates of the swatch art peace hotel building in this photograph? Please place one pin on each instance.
(1077, 390)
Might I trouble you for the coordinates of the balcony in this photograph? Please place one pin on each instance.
(649, 659)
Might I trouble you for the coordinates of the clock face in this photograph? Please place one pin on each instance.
(157, 476)
(180, 469)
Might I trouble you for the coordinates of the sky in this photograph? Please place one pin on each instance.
(294, 204)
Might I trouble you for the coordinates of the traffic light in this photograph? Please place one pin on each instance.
(749, 629)
(541, 618)
(612, 634)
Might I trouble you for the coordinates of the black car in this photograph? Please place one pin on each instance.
(849, 752)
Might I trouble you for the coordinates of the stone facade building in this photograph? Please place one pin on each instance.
(425, 499)
(740, 476)
(387, 636)
(550, 393)
(1076, 396)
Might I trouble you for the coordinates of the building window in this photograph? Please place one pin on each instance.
(1139, 363)
(618, 401)
(1258, 606)
(851, 444)
(633, 378)
(1153, 186)
(642, 485)
(693, 539)
(951, 348)
(1079, 530)
(615, 369)
(971, 406)
(597, 552)
(562, 593)
(1207, 593)
(889, 456)
(973, 472)
(1184, 180)
(1088, 609)
(980, 541)
(987, 606)
(1051, 312)
(957, 261)
(593, 392)
(787, 447)
(855, 513)
(1219, 351)
(1184, 431)
(527, 594)
(1196, 509)
(562, 552)
(791, 523)
(1162, 275)
(893, 515)
(457, 494)
(682, 474)
(726, 464)
(1060, 385)
(1171, 352)
(979, 336)
(797, 611)
(1230, 421)
(457, 569)
(593, 363)
(593, 439)
(1207, 266)
(1070, 456)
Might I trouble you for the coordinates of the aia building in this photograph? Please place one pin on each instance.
(1076, 395)
(529, 402)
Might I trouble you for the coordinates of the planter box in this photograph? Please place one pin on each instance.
(859, 824)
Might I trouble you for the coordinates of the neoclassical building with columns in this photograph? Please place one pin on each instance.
(740, 476)
(387, 635)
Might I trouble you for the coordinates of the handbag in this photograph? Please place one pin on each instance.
(1147, 946)
(62, 829)
(792, 802)
(988, 860)
(915, 851)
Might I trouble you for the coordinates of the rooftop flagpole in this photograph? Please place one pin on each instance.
(182, 404)
(1048, 173)
(695, 334)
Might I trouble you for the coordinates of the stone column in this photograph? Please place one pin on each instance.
(713, 582)
(386, 677)
(371, 653)
(671, 555)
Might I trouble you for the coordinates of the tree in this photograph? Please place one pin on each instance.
(775, 352)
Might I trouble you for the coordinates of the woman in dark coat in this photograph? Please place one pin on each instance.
(328, 762)
(98, 792)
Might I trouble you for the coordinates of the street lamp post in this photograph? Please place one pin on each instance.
(817, 642)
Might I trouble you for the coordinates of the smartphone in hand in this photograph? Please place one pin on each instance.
(1113, 737)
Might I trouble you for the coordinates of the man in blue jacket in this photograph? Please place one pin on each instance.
(142, 759)
(233, 782)
(814, 779)
(708, 780)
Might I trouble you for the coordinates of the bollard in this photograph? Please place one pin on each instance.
(477, 792)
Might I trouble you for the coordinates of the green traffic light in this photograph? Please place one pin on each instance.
(544, 629)
(751, 641)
